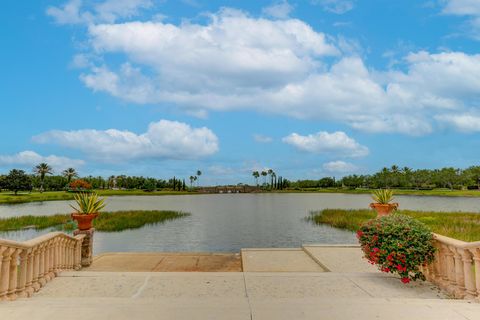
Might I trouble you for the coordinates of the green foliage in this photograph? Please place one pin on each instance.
(88, 203)
(397, 244)
(17, 180)
(463, 226)
(382, 196)
(106, 222)
(123, 220)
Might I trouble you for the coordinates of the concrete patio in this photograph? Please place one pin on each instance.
(315, 282)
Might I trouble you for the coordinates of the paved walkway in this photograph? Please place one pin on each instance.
(351, 290)
(167, 262)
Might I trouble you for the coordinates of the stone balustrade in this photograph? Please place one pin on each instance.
(456, 268)
(27, 266)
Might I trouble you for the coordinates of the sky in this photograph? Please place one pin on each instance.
(309, 88)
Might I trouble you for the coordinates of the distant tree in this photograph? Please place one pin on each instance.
(18, 180)
(256, 175)
(199, 173)
(70, 173)
(264, 175)
(42, 170)
(192, 179)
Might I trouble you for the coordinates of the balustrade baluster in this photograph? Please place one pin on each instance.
(476, 258)
(5, 272)
(30, 266)
(36, 268)
(459, 270)
(12, 286)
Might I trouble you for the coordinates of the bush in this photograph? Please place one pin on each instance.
(80, 185)
(397, 244)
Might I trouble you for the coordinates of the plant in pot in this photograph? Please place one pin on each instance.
(87, 209)
(397, 244)
(383, 204)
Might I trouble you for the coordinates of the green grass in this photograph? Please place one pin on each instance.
(23, 197)
(458, 225)
(411, 192)
(106, 221)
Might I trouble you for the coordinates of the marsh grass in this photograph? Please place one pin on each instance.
(459, 225)
(106, 221)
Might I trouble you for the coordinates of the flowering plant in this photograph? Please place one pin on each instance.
(397, 244)
(80, 185)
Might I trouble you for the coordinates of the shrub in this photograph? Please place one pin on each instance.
(397, 244)
(80, 185)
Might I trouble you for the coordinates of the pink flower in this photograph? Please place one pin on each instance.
(405, 280)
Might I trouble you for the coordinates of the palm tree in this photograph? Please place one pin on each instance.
(69, 174)
(192, 178)
(264, 175)
(42, 170)
(199, 173)
(255, 175)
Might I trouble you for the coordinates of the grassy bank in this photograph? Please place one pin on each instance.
(407, 192)
(10, 198)
(106, 221)
(458, 225)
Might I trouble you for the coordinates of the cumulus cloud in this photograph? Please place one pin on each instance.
(29, 159)
(239, 62)
(336, 6)
(339, 167)
(163, 140)
(109, 11)
(262, 138)
(279, 10)
(336, 143)
(462, 122)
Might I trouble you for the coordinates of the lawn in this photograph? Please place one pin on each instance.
(459, 225)
(106, 221)
(22, 197)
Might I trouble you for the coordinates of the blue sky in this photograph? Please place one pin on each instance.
(308, 88)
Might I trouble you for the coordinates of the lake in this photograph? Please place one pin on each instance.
(229, 222)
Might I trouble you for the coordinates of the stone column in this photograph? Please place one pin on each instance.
(87, 246)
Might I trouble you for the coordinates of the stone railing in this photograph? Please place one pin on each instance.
(456, 268)
(27, 266)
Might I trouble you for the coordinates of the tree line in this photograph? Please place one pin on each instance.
(403, 178)
(43, 178)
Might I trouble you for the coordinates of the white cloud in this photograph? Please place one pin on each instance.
(279, 10)
(336, 143)
(109, 11)
(29, 159)
(262, 138)
(163, 140)
(462, 7)
(336, 6)
(339, 167)
(238, 62)
(468, 8)
(462, 122)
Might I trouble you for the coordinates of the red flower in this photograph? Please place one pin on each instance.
(405, 280)
(376, 250)
(359, 233)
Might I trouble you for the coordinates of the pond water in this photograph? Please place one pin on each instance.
(229, 222)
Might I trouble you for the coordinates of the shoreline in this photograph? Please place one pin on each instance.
(11, 199)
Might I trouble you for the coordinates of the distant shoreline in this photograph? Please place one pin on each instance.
(10, 198)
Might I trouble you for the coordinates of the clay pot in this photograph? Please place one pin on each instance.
(84, 220)
(383, 209)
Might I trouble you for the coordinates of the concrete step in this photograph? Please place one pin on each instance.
(278, 260)
(239, 308)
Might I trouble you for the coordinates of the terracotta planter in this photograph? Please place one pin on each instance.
(383, 209)
(84, 220)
